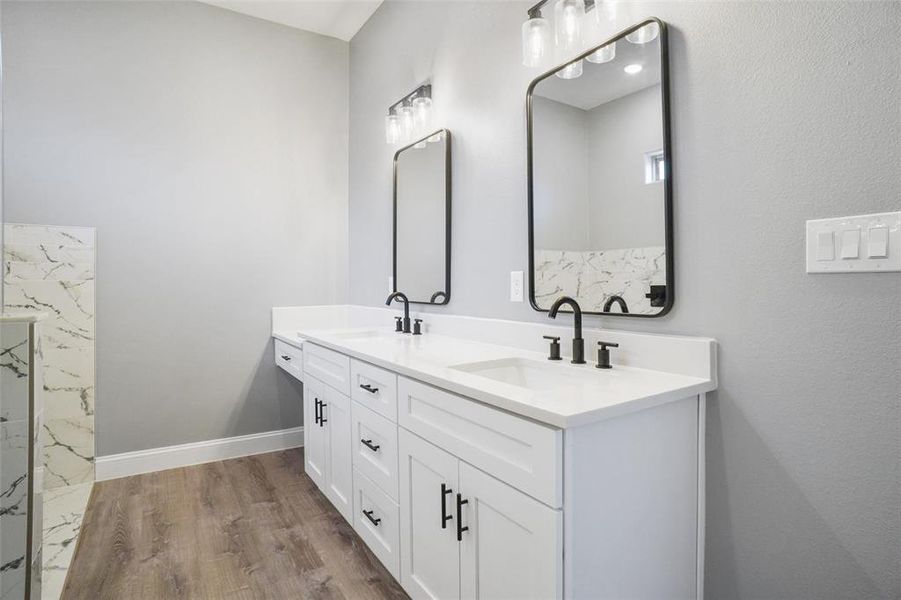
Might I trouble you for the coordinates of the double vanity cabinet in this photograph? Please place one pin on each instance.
(459, 498)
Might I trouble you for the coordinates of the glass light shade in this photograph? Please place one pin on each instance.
(644, 35)
(422, 111)
(437, 137)
(407, 121)
(420, 145)
(568, 17)
(537, 42)
(392, 129)
(570, 71)
(603, 54)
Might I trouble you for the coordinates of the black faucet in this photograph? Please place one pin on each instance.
(619, 300)
(402, 297)
(578, 342)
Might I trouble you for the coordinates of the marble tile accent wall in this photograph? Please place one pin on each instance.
(593, 276)
(51, 269)
(20, 383)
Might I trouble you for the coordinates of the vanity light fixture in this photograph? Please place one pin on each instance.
(577, 23)
(633, 69)
(410, 117)
(646, 34)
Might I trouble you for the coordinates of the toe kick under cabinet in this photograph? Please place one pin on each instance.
(461, 500)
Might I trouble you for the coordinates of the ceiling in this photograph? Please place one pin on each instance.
(336, 18)
(602, 83)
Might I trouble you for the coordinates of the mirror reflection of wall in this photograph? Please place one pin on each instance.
(598, 194)
(422, 201)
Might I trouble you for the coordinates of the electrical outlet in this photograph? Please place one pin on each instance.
(390, 284)
(516, 286)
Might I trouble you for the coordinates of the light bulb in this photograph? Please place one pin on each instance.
(633, 69)
(645, 34)
(392, 128)
(570, 71)
(603, 54)
(407, 121)
(536, 42)
(422, 110)
(568, 17)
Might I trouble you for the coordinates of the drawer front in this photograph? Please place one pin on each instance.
(374, 388)
(522, 453)
(375, 448)
(330, 367)
(289, 358)
(377, 521)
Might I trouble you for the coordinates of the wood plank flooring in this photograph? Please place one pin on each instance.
(248, 528)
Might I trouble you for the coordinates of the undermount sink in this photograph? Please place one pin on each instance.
(528, 374)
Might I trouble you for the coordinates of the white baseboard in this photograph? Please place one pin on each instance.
(184, 455)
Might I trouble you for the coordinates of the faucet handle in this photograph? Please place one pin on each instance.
(417, 327)
(398, 324)
(604, 355)
(555, 346)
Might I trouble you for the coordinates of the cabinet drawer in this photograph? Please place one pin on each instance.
(289, 358)
(518, 451)
(330, 367)
(374, 388)
(375, 448)
(377, 521)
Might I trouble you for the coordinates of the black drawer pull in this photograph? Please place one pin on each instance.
(368, 515)
(285, 357)
(369, 388)
(444, 516)
(370, 445)
(316, 412)
(460, 527)
(322, 419)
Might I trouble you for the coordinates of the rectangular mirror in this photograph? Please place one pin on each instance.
(600, 182)
(422, 219)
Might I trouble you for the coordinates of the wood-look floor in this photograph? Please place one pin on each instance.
(254, 527)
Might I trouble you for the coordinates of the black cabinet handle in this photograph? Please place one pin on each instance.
(370, 445)
(444, 516)
(316, 412)
(322, 419)
(285, 357)
(368, 515)
(460, 527)
(369, 388)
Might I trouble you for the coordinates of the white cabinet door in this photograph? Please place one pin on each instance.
(430, 553)
(335, 415)
(514, 545)
(314, 438)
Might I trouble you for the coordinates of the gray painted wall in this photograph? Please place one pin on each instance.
(781, 112)
(210, 151)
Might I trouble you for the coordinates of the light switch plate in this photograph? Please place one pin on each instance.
(516, 286)
(861, 244)
(390, 284)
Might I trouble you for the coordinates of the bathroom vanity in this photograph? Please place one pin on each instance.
(475, 468)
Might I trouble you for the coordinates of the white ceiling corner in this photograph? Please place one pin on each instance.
(336, 18)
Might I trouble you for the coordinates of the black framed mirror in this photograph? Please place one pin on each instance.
(422, 219)
(600, 178)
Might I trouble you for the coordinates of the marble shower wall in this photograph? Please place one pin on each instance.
(51, 269)
(592, 276)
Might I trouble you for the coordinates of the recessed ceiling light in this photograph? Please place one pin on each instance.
(632, 69)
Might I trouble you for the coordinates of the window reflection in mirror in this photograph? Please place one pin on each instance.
(422, 219)
(598, 183)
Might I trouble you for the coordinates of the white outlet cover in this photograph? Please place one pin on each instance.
(516, 286)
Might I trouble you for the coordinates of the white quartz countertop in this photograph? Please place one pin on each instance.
(588, 394)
